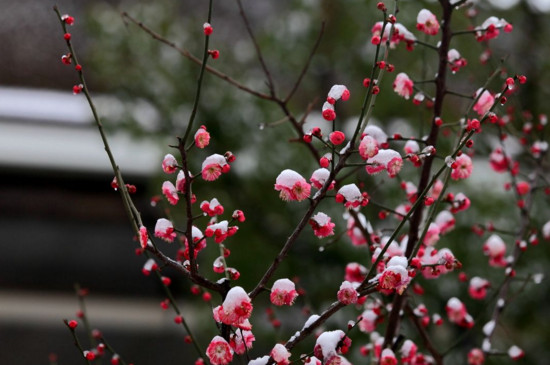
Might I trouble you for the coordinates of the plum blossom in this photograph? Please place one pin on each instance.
(495, 248)
(478, 288)
(213, 166)
(489, 29)
(319, 177)
(165, 230)
(283, 292)
(347, 293)
(498, 161)
(329, 343)
(377, 133)
(219, 352)
(432, 235)
(369, 319)
(170, 192)
(515, 353)
(292, 186)
(411, 147)
(169, 164)
(395, 275)
(322, 225)
(445, 221)
(538, 147)
(354, 232)
(457, 313)
(143, 237)
(389, 160)
(427, 22)
(328, 111)
(368, 147)
(408, 351)
(338, 92)
(546, 231)
(351, 196)
(476, 357)
(462, 167)
(202, 137)
(388, 357)
(235, 309)
(280, 354)
(212, 208)
(220, 231)
(484, 103)
(460, 203)
(180, 182)
(400, 33)
(403, 85)
(355, 272)
(241, 341)
(456, 62)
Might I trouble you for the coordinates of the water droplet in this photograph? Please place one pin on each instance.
(321, 249)
(261, 126)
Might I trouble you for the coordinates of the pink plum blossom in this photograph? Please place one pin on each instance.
(241, 341)
(328, 111)
(283, 292)
(476, 357)
(143, 237)
(213, 166)
(338, 92)
(457, 313)
(347, 293)
(427, 22)
(212, 208)
(220, 231)
(498, 161)
(280, 354)
(170, 192)
(292, 186)
(515, 353)
(445, 220)
(219, 352)
(462, 167)
(355, 272)
(460, 203)
(478, 288)
(235, 309)
(456, 62)
(169, 164)
(165, 230)
(388, 357)
(403, 85)
(319, 177)
(495, 248)
(484, 103)
(389, 160)
(377, 133)
(368, 147)
(180, 182)
(351, 196)
(432, 235)
(408, 351)
(369, 319)
(322, 225)
(202, 137)
(395, 276)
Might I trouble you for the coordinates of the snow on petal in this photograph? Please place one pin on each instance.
(292, 186)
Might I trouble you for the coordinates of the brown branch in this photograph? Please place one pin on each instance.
(308, 62)
(438, 358)
(185, 53)
(270, 83)
(416, 218)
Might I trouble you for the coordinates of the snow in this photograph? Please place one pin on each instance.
(488, 328)
(288, 178)
(328, 341)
